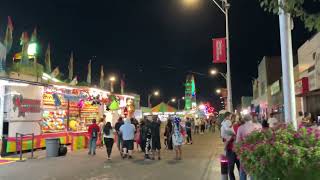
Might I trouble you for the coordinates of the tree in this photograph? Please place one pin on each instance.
(297, 9)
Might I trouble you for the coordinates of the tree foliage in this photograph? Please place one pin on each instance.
(297, 10)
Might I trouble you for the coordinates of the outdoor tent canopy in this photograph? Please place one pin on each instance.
(163, 107)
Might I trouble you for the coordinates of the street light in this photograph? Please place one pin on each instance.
(215, 72)
(218, 91)
(112, 79)
(155, 93)
(224, 7)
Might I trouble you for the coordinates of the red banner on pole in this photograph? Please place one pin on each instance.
(219, 50)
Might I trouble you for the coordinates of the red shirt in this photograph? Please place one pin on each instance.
(231, 142)
(94, 125)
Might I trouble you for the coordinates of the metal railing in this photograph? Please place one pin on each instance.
(19, 139)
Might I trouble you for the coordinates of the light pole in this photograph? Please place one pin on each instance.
(155, 93)
(112, 79)
(224, 7)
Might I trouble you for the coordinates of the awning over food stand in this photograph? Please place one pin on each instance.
(163, 107)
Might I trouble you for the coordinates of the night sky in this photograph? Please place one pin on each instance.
(153, 43)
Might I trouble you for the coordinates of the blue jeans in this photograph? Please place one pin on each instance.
(92, 145)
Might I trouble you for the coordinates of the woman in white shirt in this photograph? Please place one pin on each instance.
(108, 136)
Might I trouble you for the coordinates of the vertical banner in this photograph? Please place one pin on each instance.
(219, 50)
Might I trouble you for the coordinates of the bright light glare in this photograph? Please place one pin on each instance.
(244, 112)
(32, 49)
(213, 72)
(218, 91)
(201, 106)
(190, 2)
(112, 78)
(173, 100)
(156, 93)
(183, 97)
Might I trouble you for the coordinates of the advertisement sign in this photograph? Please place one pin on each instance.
(302, 86)
(219, 50)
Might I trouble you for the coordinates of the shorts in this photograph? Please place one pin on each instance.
(128, 144)
(156, 144)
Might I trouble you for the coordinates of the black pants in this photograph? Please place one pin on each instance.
(189, 136)
(232, 159)
(143, 145)
(203, 128)
(109, 144)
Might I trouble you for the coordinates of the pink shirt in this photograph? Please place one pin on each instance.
(247, 128)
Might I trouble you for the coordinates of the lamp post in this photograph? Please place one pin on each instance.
(225, 10)
(155, 93)
(112, 79)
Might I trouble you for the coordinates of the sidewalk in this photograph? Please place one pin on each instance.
(200, 161)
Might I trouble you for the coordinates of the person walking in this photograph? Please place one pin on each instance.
(196, 126)
(117, 126)
(168, 135)
(101, 139)
(148, 138)
(108, 136)
(189, 131)
(177, 138)
(93, 132)
(127, 131)
(243, 131)
(231, 155)
(202, 126)
(155, 139)
(143, 135)
(226, 129)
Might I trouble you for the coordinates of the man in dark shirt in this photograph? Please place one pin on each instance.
(188, 130)
(117, 128)
(155, 132)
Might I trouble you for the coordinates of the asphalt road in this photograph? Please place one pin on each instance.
(200, 162)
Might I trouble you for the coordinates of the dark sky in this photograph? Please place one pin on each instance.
(153, 42)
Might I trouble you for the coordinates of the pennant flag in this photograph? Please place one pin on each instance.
(55, 72)
(47, 59)
(8, 38)
(3, 55)
(219, 50)
(101, 78)
(24, 42)
(74, 82)
(122, 84)
(89, 73)
(71, 67)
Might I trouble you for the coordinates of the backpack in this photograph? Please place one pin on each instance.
(94, 133)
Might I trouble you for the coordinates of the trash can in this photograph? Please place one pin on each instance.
(52, 147)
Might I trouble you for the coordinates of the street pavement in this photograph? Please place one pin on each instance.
(200, 162)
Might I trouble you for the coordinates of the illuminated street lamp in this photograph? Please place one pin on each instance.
(155, 93)
(218, 91)
(214, 72)
(112, 79)
(224, 8)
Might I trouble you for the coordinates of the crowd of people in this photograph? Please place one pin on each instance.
(146, 134)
